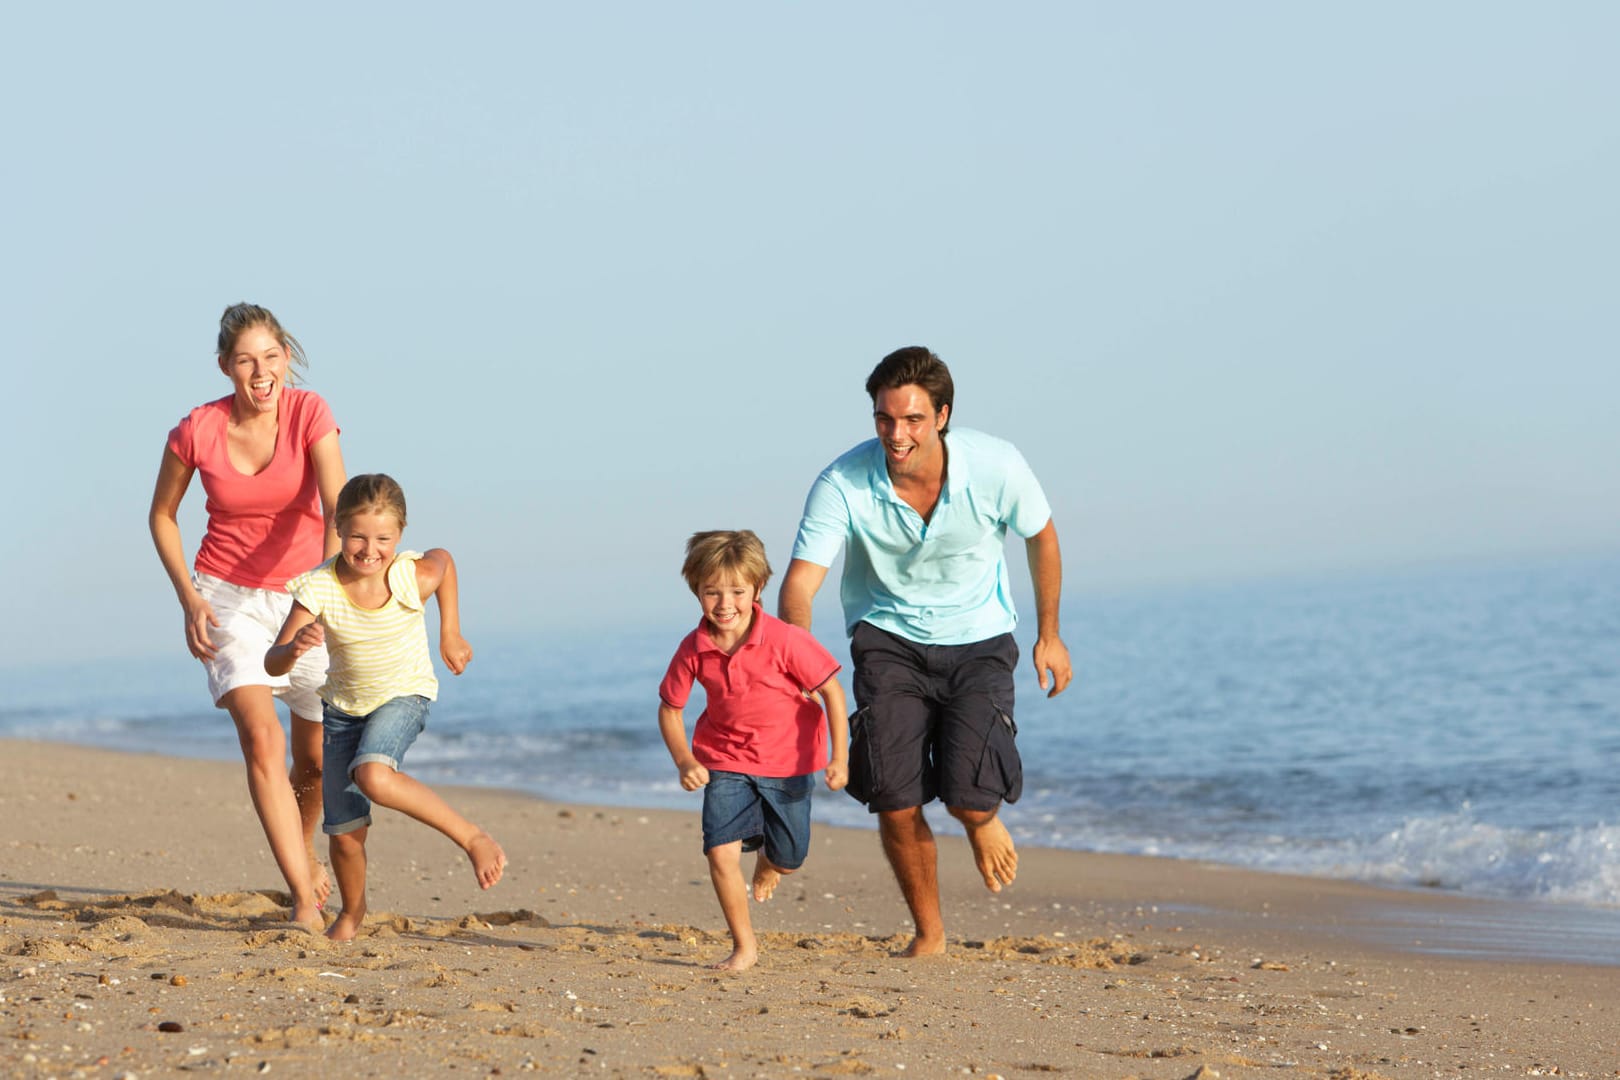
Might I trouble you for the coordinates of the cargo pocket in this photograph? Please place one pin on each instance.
(863, 772)
(1001, 770)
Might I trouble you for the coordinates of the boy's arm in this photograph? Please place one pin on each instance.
(832, 699)
(299, 634)
(436, 576)
(672, 726)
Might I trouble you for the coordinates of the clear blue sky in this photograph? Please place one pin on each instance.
(1258, 289)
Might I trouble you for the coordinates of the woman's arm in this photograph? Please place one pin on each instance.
(163, 519)
(326, 457)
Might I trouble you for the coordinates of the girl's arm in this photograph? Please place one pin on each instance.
(299, 634)
(672, 726)
(436, 576)
(163, 519)
(832, 698)
(327, 458)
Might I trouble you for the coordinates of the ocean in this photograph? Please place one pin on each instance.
(1446, 728)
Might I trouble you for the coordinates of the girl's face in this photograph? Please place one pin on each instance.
(728, 604)
(257, 368)
(369, 538)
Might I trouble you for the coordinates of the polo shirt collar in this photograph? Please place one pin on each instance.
(955, 471)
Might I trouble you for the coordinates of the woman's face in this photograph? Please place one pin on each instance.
(257, 368)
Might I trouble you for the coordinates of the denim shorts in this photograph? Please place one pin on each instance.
(249, 620)
(768, 811)
(935, 721)
(347, 742)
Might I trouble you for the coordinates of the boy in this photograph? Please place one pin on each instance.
(760, 739)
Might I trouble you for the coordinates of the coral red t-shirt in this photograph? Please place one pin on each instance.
(265, 528)
(757, 721)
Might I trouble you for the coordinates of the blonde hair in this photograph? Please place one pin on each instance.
(240, 318)
(725, 551)
(375, 493)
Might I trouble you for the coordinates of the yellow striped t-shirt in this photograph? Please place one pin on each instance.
(375, 654)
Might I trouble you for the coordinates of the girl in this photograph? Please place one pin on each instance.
(366, 605)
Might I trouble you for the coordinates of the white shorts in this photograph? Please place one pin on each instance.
(249, 620)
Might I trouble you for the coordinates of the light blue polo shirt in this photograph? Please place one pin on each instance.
(943, 582)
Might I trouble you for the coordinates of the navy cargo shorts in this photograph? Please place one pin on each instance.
(934, 721)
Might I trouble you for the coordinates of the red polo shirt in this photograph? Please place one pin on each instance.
(758, 720)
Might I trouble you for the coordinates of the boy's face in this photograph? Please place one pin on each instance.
(728, 604)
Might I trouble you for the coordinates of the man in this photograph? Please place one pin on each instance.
(928, 606)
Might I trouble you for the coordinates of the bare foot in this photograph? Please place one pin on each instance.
(921, 947)
(766, 878)
(346, 925)
(319, 881)
(488, 860)
(308, 916)
(741, 959)
(993, 851)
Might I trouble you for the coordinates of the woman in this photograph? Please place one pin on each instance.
(271, 469)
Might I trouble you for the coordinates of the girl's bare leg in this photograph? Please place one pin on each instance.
(264, 751)
(399, 791)
(348, 854)
(306, 784)
(725, 871)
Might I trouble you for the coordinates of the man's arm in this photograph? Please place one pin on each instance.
(798, 593)
(1046, 575)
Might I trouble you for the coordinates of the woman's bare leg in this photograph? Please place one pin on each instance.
(306, 784)
(264, 752)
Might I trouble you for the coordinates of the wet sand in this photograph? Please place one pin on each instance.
(143, 934)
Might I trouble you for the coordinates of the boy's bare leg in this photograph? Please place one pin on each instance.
(725, 870)
(402, 792)
(348, 854)
(767, 876)
(306, 784)
(264, 752)
(914, 857)
(993, 849)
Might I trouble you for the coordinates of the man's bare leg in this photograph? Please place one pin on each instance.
(914, 858)
(993, 849)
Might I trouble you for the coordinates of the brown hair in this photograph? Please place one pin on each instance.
(370, 492)
(915, 365)
(724, 551)
(240, 318)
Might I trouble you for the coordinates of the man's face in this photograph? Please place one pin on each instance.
(908, 426)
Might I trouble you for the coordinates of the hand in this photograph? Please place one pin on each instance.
(693, 776)
(456, 652)
(308, 637)
(199, 617)
(1052, 656)
(837, 775)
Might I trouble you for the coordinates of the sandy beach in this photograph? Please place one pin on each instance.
(144, 935)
